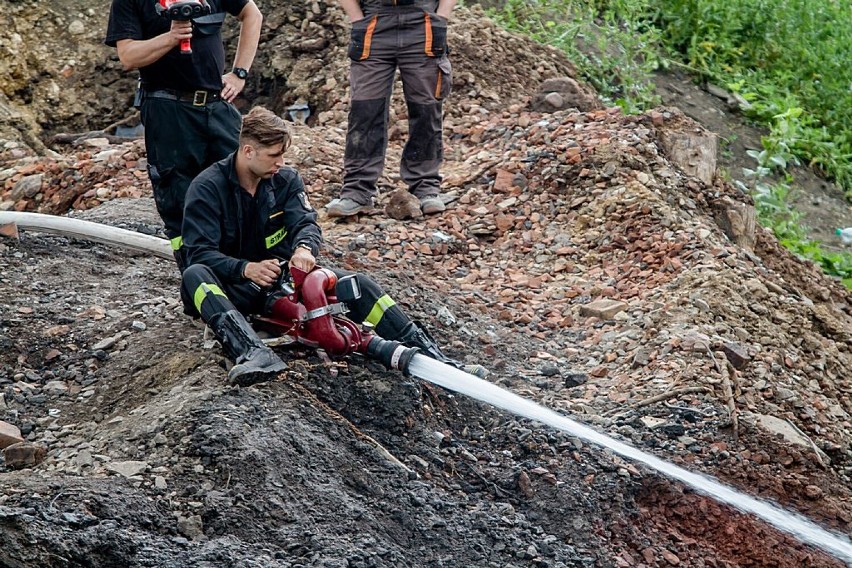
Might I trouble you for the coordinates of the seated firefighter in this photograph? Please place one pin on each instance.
(245, 214)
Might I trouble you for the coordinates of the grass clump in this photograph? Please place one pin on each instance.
(779, 55)
(772, 199)
(613, 44)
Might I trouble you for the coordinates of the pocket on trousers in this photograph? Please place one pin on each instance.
(436, 36)
(444, 86)
(163, 194)
(361, 38)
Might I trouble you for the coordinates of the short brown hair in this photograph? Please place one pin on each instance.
(265, 128)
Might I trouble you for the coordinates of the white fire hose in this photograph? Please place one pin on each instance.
(11, 221)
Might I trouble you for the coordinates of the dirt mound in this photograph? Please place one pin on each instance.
(576, 261)
(551, 213)
(56, 69)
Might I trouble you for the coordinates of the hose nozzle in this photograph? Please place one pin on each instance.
(391, 354)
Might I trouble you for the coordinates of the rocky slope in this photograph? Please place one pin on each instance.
(726, 360)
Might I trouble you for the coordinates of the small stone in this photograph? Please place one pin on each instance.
(403, 205)
(128, 468)
(575, 379)
(9, 434)
(674, 430)
(555, 100)
(671, 558)
(76, 27)
(524, 485)
(603, 309)
(736, 354)
(84, 459)
(24, 454)
(27, 187)
(104, 344)
(191, 527)
(548, 370)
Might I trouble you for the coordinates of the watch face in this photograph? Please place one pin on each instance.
(241, 73)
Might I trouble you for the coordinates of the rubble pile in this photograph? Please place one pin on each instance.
(80, 180)
(577, 260)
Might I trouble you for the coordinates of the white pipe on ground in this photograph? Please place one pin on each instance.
(80, 229)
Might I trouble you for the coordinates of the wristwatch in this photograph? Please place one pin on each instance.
(305, 246)
(240, 72)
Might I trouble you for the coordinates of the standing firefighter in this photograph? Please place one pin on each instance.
(409, 35)
(184, 98)
(245, 214)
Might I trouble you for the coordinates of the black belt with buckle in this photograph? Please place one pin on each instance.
(197, 98)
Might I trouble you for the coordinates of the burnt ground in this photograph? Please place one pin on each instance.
(153, 461)
(279, 474)
(275, 475)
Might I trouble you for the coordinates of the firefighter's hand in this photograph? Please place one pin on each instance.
(232, 86)
(180, 31)
(263, 273)
(303, 259)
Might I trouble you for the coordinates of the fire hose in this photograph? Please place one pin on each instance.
(308, 311)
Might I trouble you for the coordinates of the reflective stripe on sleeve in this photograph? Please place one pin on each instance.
(275, 238)
(379, 309)
(176, 242)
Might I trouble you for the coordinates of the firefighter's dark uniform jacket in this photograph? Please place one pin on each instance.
(222, 234)
(224, 229)
(219, 233)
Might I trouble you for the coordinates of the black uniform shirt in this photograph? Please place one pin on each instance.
(224, 232)
(202, 70)
(253, 242)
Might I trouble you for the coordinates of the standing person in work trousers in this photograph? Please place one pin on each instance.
(184, 98)
(243, 215)
(410, 35)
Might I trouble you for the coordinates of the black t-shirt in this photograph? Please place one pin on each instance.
(138, 20)
(252, 248)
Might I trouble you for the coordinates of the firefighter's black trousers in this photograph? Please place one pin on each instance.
(181, 139)
(205, 295)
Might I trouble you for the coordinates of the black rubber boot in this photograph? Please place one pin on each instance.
(415, 335)
(254, 362)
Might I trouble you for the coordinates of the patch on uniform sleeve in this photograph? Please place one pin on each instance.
(304, 197)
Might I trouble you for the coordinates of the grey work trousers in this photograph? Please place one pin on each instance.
(413, 41)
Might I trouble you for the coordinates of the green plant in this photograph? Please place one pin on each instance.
(787, 58)
(613, 44)
(772, 199)
(725, 145)
(779, 55)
